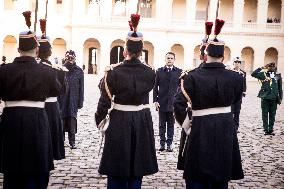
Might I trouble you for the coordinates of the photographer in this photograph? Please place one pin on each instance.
(270, 93)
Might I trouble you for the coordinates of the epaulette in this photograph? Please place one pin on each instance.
(152, 67)
(112, 66)
(185, 72)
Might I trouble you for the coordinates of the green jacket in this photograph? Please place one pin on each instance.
(271, 88)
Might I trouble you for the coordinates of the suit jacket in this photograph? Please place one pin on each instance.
(165, 88)
(271, 88)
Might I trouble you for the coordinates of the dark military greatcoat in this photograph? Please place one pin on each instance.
(54, 118)
(27, 147)
(129, 149)
(212, 149)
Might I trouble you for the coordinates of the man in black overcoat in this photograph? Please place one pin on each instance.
(166, 85)
(73, 99)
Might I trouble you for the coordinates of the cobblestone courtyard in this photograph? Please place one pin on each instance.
(263, 156)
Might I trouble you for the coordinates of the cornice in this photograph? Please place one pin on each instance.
(182, 31)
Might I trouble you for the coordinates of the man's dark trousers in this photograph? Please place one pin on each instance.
(268, 108)
(70, 125)
(166, 122)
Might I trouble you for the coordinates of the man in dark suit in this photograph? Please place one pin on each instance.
(166, 85)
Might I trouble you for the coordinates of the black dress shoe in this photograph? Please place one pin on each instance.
(162, 148)
(169, 148)
(271, 133)
(266, 133)
(73, 146)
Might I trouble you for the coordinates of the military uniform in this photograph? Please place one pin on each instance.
(212, 155)
(53, 114)
(236, 107)
(129, 131)
(27, 146)
(129, 151)
(51, 103)
(26, 156)
(270, 93)
(210, 148)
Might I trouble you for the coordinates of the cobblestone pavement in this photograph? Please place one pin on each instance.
(263, 156)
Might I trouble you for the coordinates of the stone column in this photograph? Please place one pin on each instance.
(104, 56)
(159, 52)
(238, 14)
(106, 9)
(262, 9)
(259, 54)
(78, 11)
(68, 9)
(212, 10)
(188, 56)
(191, 11)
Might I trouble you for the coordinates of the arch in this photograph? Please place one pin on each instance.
(148, 8)
(227, 55)
(117, 42)
(116, 52)
(271, 55)
(247, 55)
(196, 56)
(250, 11)
(226, 10)
(179, 51)
(148, 55)
(201, 7)
(10, 48)
(58, 48)
(274, 11)
(91, 55)
(179, 9)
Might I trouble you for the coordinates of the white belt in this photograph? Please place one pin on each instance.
(51, 99)
(24, 103)
(209, 111)
(130, 108)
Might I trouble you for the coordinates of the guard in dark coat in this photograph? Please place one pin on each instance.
(270, 93)
(129, 150)
(166, 84)
(51, 104)
(236, 107)
(24, 86)
(212, 155)
(73, 99)
(186, 128)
